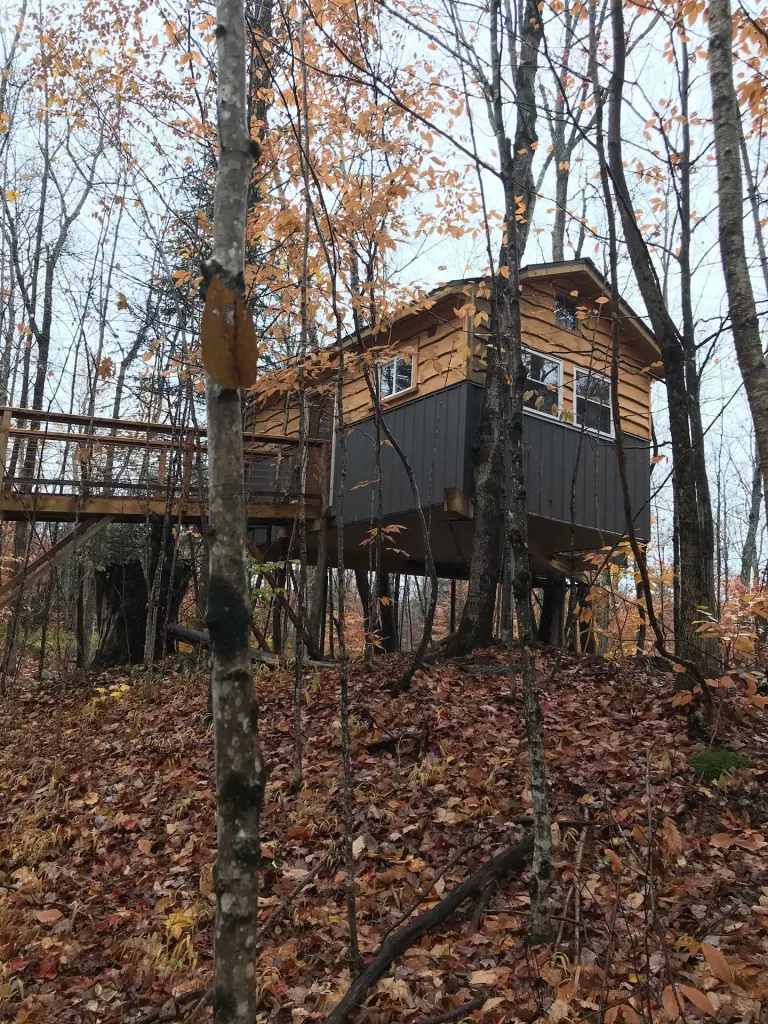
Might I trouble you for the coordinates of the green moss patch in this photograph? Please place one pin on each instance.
(711, 764)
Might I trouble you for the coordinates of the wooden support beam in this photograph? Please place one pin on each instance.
(254, 444)
(64, 507)
(36, 570)
(5, 428)
(457, 503)
(141, 427)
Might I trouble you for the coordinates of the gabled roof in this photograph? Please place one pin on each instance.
(566, 276)
(592, 285)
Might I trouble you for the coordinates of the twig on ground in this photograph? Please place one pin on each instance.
(458, 1012)
(427, 890)
(511, 858)
(300, 885)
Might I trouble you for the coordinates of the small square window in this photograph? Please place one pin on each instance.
(542, 385)
(395, 375)
(566, 314)
(593, 401)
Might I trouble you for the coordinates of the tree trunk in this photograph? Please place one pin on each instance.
(121, 614)
(561, 202)
(175, 575)
(696, 576)
(552, 621)
(363, 582)
(387, 616)
(476, 625)
(240, 772)
(507, 332)
(741, 300)
(749, 551)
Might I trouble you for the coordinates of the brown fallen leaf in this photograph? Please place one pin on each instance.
(717, 962)
(48, 916)
(699, 999)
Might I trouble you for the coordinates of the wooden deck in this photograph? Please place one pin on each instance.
(64, 467)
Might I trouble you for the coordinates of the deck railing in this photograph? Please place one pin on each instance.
(82, 457)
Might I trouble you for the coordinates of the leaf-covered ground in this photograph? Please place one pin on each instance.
(107, 844)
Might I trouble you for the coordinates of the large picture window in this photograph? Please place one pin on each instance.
(543, 382)
(396, 375)
(592, 394)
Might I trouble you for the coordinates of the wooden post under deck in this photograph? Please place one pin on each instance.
(5, 428)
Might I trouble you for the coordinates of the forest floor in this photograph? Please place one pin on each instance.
(107, 843)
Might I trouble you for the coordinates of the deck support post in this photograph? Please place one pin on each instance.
(5, 433)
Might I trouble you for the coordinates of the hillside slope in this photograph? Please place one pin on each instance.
(107, 844)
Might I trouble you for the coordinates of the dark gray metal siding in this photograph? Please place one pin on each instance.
(552, 450)
(551, 453)
(444, 425)
(429, 429)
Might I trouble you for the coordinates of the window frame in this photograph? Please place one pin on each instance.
(393, 361)
(560, 392)
(580, 371)
(568, 303)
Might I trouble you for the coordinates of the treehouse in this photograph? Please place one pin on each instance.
(429, 368)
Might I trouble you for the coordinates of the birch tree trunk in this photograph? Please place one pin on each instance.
(741, 298)
(240, 774)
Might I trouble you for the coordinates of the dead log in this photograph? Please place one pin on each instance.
(511, 858)
(201, 639)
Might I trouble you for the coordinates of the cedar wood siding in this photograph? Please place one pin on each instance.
(455, 352)
(439, 342)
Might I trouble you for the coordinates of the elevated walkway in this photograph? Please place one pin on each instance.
(65, 467)
(93, 471)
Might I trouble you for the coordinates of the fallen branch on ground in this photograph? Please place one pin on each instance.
(510, 858)
(197, 636)
(299, 887)
(459, 1011)
(427, 890)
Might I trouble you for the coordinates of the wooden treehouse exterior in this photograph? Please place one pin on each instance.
(429, 367)
(430, 372)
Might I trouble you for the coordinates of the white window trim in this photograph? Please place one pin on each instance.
(540, 412)
(579, 371)
(405, 391)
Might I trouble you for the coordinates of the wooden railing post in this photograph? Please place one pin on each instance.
(5, 430)
(161, 474)
(186, 473)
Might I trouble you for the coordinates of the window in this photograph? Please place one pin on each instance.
(566, 314)
(396, 375)
(593, 401)
(542, 385)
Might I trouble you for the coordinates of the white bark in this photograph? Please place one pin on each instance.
(240, 775)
